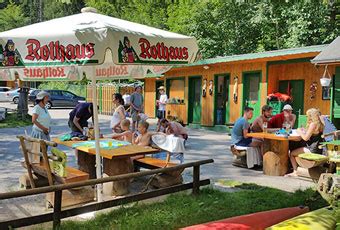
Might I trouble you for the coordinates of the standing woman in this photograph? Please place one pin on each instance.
(118, 112)
(41, 118)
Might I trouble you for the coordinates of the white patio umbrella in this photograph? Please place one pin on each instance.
(102, 47)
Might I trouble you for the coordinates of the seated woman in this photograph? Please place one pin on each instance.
(311, 137)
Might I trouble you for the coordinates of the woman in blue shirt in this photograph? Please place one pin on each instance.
(41, 118)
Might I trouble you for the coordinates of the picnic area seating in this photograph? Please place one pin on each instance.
(40, 164)
(246, 157)
(164, 179)
(312, 165)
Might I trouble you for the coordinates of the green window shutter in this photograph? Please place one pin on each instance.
(336, 94)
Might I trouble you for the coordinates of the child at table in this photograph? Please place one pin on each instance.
(126, 135)
(144, 138)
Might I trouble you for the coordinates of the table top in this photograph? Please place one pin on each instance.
(273, 136)
(123, 151)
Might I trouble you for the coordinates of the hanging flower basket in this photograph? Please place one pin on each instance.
(325, 80)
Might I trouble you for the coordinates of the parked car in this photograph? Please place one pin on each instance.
(12, 96)
(58, 98)
(3, 91)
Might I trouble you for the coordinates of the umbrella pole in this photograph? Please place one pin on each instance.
(96, 133)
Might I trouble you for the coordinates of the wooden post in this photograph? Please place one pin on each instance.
(57, 209)
(27, 161)
(196, 180)
(46, 162)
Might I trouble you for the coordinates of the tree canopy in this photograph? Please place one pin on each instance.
(222, 27)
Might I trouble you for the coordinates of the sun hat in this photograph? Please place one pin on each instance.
(288, 107)
(161, 88)
(41, 95)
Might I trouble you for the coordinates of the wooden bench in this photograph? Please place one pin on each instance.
(38, 162)
(164, 179)
(153, 163)
(73, 175)
(240, 158)
(313, 169)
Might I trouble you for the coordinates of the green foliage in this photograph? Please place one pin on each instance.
(12, 17)
(74, 87)
(180, 210)
(107, 7)
(56, 9)
(225, 27)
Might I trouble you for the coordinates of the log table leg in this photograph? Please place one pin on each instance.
(87, 163)
(117, 167)
(275, 159)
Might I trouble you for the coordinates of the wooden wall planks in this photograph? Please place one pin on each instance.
(150, 96)
(207, 116)
(301, 71)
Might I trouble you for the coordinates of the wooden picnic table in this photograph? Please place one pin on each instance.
(115, 161)
(276, 150)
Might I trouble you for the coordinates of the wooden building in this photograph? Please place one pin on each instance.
(213, 92)
(329, 58)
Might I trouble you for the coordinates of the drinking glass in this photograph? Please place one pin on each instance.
(265, 126)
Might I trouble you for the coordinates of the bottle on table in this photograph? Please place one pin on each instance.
(86, 131)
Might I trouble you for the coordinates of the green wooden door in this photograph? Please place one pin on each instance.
(336, 94)
(195, 87)
(297, 94)
(251, 92)
(221, 99)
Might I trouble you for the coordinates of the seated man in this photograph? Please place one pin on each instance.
(241, 128)
(287, 116)
(173, 127)
(257, 125)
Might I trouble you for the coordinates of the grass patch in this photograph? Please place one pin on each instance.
(181, 209)
(13, 121)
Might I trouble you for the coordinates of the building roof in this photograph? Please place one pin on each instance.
(331, 54)
(252, 56)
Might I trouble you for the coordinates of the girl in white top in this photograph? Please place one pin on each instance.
(161, 106)
(118, 113)
(41, 118)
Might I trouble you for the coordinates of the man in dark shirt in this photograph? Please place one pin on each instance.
(79, 116)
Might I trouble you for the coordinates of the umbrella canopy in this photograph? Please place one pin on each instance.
(89, 39)
(102, 47)
(330, 55)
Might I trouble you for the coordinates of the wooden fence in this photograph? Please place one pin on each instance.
(104, 96)
(59, 214)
